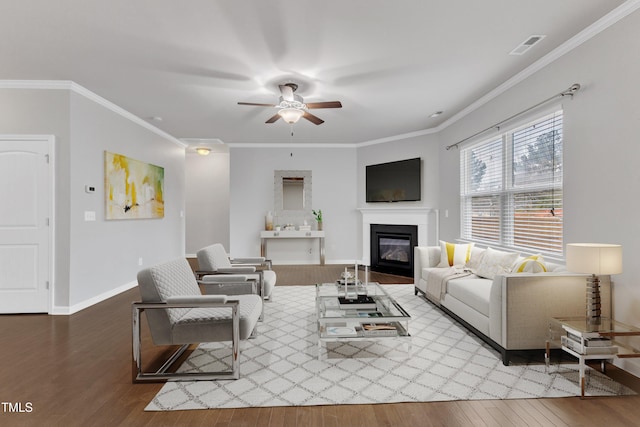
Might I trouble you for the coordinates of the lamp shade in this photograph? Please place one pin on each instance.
(594, 258)
(291, 115)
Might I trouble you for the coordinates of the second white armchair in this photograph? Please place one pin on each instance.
(213, 260)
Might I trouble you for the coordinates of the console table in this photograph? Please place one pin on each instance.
(291, 234)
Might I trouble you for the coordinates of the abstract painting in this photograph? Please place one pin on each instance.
(133, 189)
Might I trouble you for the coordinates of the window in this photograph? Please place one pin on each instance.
(511, 188)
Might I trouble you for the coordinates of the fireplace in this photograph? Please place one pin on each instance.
(392, 248)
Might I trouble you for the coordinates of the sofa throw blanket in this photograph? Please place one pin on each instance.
(437, 281)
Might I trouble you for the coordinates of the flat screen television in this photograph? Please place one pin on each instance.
(394, 181)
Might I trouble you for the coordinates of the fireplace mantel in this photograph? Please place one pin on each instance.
(425, 218)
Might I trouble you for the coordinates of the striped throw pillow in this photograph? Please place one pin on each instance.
(452, 254)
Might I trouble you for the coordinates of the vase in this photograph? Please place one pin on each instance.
(268, 221)
(319, 225)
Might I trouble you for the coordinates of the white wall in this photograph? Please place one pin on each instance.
(601, 149)
(334, 191)
(105, 254)
(207, 199)
(94, 260)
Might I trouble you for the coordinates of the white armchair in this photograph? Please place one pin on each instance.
(178, 314)
(213, 260)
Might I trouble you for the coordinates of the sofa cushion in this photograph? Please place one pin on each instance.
(531, 264)
(452, 254)
(496, 262)
(473, 291)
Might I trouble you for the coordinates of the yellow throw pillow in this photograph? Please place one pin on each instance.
(454, 254)
(531, 264)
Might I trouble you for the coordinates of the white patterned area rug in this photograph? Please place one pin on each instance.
(280, 367)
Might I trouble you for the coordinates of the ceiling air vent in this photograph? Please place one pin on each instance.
(526, 45)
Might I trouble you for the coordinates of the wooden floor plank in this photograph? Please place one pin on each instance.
(290, 418)
(512, 413)
(329, 416)
(277, 417)
(475, 417)
(530, 411)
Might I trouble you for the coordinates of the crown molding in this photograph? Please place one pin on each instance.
(289, 145)
(399, 137)
(80, 90)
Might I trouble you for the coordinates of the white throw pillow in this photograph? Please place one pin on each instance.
(474, 261)
(531, 264)
(496, 262)
(452, 254)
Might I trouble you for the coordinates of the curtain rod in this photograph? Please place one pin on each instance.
(569, 92)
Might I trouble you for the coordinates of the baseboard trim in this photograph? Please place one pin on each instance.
(67, 311)
(327, 262)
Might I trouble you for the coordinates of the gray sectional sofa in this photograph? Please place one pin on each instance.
(510, 311)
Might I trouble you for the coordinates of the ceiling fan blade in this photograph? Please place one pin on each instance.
(313, 119)
(257, 105)
(330, 104)
(287, 92)
(273, 119)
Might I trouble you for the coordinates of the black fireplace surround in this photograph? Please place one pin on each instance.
(392, 248)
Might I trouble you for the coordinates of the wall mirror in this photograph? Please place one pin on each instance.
(292, 191)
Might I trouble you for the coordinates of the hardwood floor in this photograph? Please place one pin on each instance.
(76, 371)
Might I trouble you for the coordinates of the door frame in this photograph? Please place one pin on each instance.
(50, 140)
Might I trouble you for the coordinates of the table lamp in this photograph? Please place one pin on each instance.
(595, 259)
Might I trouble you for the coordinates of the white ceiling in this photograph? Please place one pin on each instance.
(391, 63)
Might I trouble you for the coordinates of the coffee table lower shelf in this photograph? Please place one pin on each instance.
(337, 332)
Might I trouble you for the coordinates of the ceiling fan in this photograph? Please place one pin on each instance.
(292, 106)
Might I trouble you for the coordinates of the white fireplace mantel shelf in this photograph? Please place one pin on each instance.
(426, 219)
(398, 209)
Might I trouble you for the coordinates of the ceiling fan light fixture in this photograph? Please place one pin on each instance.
(203, 151)
(291, 115)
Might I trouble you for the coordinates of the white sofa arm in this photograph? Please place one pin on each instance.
(522, 304)
(424, 257)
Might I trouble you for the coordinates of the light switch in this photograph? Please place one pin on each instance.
(89, 215)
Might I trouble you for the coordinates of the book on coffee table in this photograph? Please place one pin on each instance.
(379, 330)
(362, 302)
(341, 331)
(378, 327)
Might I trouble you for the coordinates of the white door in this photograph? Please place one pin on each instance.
(25, 207)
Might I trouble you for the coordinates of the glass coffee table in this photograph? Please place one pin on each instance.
(359, 312)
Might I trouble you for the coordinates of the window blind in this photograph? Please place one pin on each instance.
(511, 188)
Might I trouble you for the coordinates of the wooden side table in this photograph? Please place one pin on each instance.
(575, 333)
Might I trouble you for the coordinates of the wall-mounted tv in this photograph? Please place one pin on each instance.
(394, 181)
